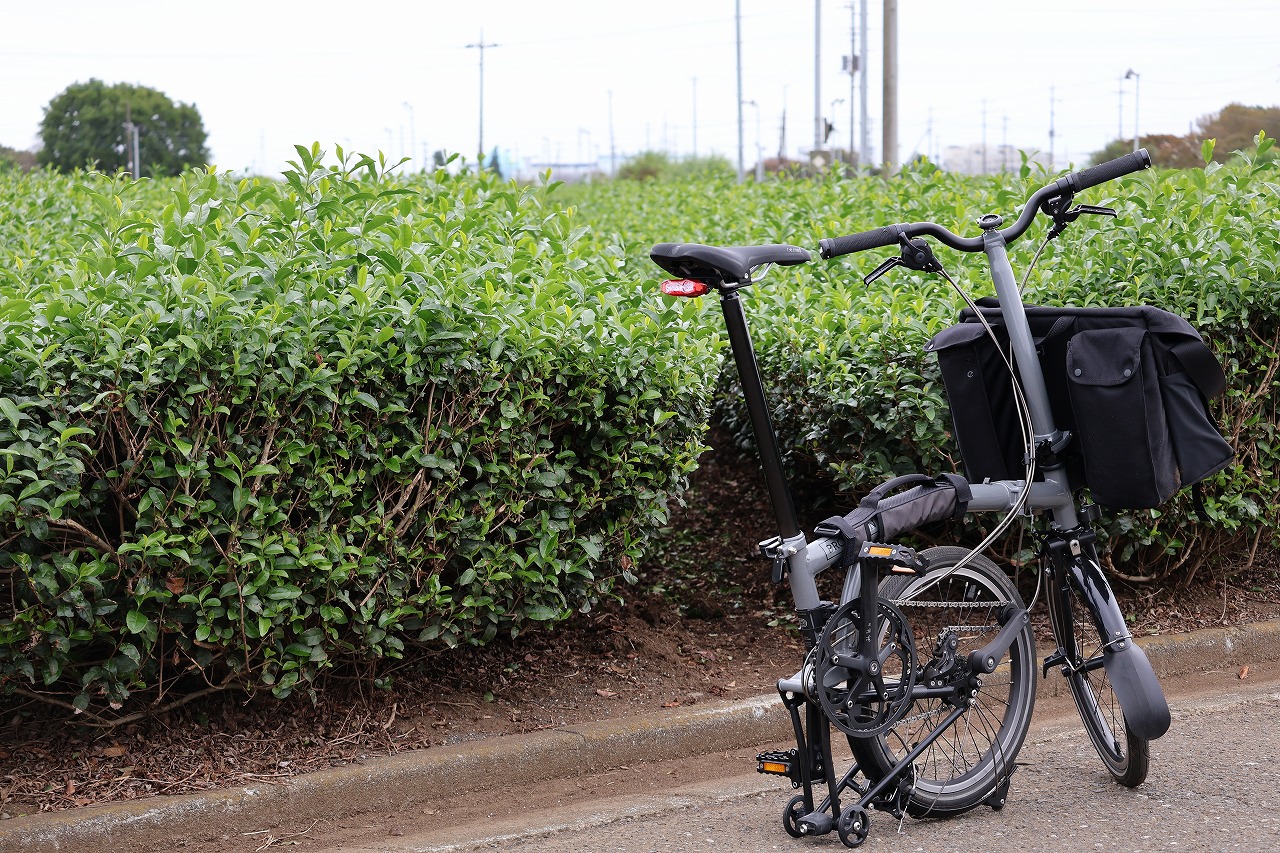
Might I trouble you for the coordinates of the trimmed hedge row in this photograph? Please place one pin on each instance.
(249, 429)
(856, 399)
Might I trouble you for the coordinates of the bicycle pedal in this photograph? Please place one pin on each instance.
(778, 763)
(898, 558)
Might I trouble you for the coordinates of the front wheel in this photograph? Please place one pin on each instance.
(951, 613)
(1080, 640)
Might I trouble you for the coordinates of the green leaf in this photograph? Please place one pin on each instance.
(10, 410)
(1206, 149)
(136, 622)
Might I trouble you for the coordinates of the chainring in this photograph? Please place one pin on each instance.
(864, 698)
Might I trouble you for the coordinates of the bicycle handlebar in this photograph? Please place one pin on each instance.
(890, 235)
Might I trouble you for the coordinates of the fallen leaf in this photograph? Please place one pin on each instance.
(175, 585)
(115, 751)
(607, 694)
(1244, 672)
(731, 685)
(671, 704)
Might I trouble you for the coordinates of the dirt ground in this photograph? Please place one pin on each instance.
(703, 623)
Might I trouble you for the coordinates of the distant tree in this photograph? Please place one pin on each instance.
(84, 126)
(658, 165)
(1236, 126)
(1168, 152)
(645, 166)
(11, 158)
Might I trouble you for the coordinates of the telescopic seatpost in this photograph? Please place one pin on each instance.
(744, 357)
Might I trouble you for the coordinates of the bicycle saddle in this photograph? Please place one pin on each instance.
(715, 265)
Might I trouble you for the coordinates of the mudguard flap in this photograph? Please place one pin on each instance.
(1138, 689)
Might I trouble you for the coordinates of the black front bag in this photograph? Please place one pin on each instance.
(1130, 384)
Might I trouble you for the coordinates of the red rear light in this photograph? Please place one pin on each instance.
(684, 287)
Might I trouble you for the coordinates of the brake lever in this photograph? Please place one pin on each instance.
(1062, 217)
(895, 261)
(1091, 208)
(914, 254)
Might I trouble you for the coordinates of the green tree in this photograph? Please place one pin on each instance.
(1235, 127)
(84, 126)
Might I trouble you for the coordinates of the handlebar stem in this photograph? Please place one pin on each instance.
(1026, 361)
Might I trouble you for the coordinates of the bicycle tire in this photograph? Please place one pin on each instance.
(975, 756)
(1075, 628)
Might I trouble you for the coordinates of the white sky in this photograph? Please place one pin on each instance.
(270, 73)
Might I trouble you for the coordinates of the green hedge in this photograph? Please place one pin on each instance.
(248, 429)
(856, 399)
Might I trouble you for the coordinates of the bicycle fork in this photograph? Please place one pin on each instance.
(1073, 559)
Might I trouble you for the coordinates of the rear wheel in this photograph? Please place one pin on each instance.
(958, 614)
(1125, 755)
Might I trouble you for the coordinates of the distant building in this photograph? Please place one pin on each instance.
(570, 173)
(976, 159)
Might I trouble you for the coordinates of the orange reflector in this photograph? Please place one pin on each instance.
(879, 551)
(684, 287)
(774, 767)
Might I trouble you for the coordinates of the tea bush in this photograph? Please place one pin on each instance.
(248, 429)
(854, 397)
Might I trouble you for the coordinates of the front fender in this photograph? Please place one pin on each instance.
(1145, 709)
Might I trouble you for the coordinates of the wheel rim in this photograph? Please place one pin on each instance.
(969, 759)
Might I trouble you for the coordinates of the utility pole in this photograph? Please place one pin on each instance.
(852, 65)
(737, 18)
(1052, 101)
(481, 46)
(817, 76)
(613, 152)
(1120, 109)
(131, 141)
(984, 136)
(413, 135)
(889, 156)
(695, 118)
(865, 148)
(1136, 80)
(1004, 144)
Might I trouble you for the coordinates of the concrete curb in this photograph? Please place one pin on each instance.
(399, 782)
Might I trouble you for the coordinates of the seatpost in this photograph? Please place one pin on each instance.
(744, 357)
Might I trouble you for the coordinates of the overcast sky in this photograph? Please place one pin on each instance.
(400, 77)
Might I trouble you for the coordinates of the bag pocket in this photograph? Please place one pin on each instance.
(1121, 425)
(1199, 448)
(980, 396)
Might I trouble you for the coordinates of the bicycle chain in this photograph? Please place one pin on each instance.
(912, 602)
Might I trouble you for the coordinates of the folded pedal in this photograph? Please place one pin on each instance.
(779, 763)
(896, 558)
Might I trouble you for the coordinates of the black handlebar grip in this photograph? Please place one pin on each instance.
(1103, 172)
(834, 247)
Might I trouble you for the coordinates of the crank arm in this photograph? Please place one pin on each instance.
(985, 659)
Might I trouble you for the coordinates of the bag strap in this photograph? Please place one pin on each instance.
(850, 540)
(1201, 365)
(964, 494)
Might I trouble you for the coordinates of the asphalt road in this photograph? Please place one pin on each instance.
(1214, 785)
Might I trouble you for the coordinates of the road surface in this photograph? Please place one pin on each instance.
(1214, 785)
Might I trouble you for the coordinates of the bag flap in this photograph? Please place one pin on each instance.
(954, 336)
(1105, 356)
